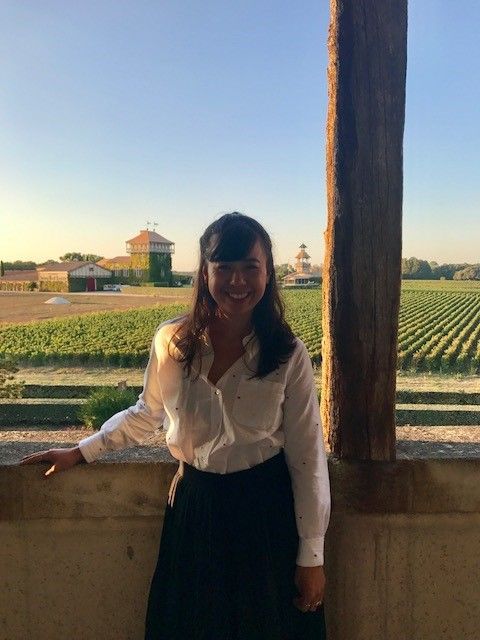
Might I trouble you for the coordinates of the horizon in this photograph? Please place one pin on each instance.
(115, 115)
(194, 268)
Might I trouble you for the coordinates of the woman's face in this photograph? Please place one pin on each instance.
(238, 286)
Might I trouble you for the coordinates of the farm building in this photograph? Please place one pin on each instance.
(303, 274)
(72, 276)
(58, 277)
(150, 260)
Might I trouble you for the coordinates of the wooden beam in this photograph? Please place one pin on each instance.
(362, 270)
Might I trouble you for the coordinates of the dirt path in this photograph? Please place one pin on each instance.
(30, 307)
(412, 442)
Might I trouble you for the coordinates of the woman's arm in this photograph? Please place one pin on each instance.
(307, 463)
(131, 426)
(306, 459)
(122, 430)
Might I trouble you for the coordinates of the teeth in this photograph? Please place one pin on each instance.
(238, 296)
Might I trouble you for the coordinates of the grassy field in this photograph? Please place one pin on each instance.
(439, 330)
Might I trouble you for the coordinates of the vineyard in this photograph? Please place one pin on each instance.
(439, 331)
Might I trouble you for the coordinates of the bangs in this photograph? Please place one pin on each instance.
(233, 242)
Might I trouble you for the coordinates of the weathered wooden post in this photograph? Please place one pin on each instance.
(362, 269)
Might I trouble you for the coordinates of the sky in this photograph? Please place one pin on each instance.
(114, 113)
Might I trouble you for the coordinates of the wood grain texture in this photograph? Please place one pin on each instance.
(362, 270)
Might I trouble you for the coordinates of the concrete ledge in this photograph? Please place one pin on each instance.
(402, 552)
(88, 491)
(406, 486)
(136, 490)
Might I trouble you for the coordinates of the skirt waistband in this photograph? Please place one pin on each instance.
(274, 467)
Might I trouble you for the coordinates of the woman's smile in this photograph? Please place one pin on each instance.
(238, 297)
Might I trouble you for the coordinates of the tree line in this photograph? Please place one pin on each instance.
(417, 269)
(412, 268)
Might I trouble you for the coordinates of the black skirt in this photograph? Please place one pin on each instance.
(226, 564)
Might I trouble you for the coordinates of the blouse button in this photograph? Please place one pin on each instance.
(217, 392)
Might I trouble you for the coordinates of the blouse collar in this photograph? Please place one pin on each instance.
(250, 342)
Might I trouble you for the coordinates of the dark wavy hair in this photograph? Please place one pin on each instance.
(228, 239)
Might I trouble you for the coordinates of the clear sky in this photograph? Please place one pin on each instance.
(115, 112)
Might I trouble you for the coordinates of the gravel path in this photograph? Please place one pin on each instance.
(412, 442)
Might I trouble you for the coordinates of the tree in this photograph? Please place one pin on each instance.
(447, 271)
(472, 272)
(2, 268)
(281, 270)
(415, 269)
(75, 256)
(9, 388)
(20, 265)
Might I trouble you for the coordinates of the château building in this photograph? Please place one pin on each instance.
(149, 260)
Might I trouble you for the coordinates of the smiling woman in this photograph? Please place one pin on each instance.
(241, 551)
(236, 286)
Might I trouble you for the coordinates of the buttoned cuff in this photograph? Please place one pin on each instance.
(310, 552)
(92, 447)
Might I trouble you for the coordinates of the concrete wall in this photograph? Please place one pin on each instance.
(403, 552)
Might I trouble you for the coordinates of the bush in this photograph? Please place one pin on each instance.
(9, 387)
(104, 403)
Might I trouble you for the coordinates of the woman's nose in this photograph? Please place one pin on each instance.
(237, 277)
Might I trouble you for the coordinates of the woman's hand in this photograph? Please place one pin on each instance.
(310, 582)
(60, 459)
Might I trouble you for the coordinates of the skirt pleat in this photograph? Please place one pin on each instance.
(226, 563)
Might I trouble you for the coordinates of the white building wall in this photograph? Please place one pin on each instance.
(90, 270)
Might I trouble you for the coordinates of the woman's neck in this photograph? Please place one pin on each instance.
(235, 327)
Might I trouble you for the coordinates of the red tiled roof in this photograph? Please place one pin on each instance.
(118, 260)
(18, 275)
(145, 237)
(65, 267)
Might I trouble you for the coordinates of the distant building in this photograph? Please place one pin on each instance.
(150, 260)
(59, 277)
(303, 274)
(72, 276)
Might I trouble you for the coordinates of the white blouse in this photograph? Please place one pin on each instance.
(234, 425)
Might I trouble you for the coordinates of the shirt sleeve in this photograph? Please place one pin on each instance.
(306, 458)
(133, 425)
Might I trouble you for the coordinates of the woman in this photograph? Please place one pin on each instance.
(241, 554)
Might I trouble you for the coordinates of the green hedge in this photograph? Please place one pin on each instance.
(437, 397)
(66, 391)
(436, 418)
(45, 413)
